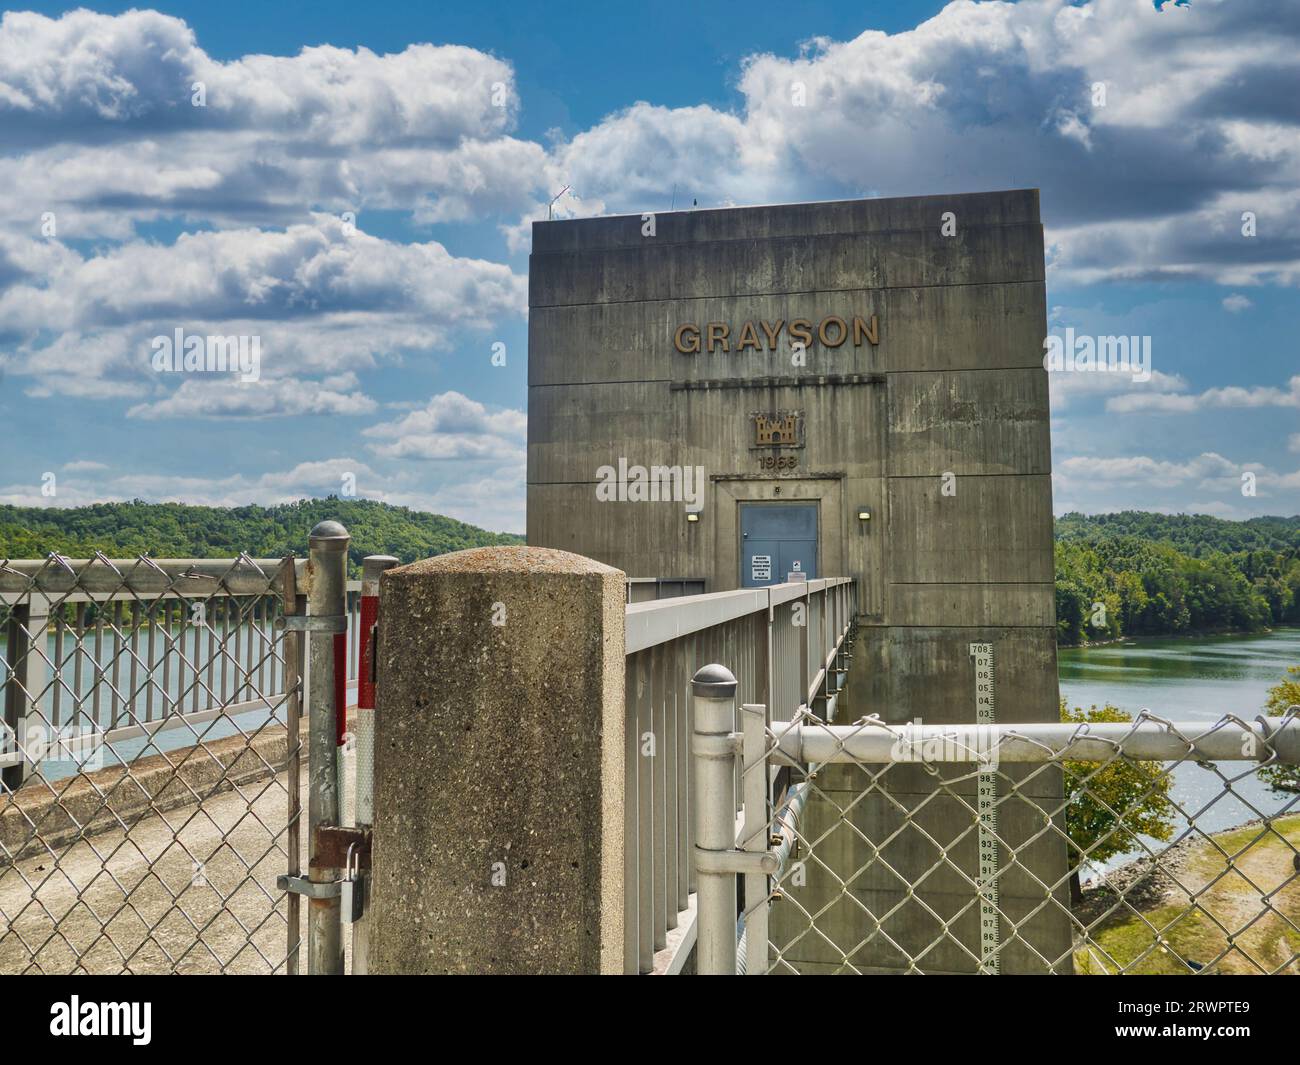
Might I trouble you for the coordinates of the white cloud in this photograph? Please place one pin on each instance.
(494, 501)
(1206, 468)
(99, 112)
(321, 300)
(232, 398)
(1192, 133)
(1225, 397)
(1152, 184)
(1198, 127)
(1101, 484)
(1236, 303)
(452, 426)
(1065, 387)
(304, 480)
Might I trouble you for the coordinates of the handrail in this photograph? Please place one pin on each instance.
(661, 620)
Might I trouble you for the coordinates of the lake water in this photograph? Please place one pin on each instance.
(1192, 679)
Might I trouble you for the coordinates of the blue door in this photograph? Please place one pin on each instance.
(777, 539)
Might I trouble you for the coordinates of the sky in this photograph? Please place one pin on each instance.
(353, 186)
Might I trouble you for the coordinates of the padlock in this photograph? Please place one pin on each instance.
(352, 889)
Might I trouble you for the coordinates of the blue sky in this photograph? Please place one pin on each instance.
(444, 129)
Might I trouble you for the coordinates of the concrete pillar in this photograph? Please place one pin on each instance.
(498, 838)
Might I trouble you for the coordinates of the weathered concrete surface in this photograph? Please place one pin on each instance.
(499, 765)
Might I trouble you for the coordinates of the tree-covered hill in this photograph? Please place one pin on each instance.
(1193, 534)
(175, 530)
(1142, 574)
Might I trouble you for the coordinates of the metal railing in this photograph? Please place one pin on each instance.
(1093, 847)
(135, 648)
(789, 643)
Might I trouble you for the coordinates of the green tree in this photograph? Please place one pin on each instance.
(1283, 696)
(1109, 804)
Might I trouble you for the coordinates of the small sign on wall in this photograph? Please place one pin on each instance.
(761, 568)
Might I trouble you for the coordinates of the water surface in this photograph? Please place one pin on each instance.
(1196, 679)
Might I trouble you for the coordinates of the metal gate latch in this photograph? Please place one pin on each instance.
(352, 888)
(350, 891)
(300, 885)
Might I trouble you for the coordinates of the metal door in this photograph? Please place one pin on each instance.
(777, 539)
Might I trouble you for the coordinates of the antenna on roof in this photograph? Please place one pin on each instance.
(550, 210)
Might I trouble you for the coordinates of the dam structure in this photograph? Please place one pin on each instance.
(849, 389)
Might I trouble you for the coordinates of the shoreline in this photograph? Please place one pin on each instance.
(1199, 634)
(1148, 881)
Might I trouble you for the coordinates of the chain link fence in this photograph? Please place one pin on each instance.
(1095, 847)
(150, 788)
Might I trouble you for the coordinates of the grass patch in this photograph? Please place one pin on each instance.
(1240, 913)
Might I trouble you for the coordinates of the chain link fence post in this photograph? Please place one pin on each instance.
(327, 604)
(371, 567)
(293, 605)
(713, 749)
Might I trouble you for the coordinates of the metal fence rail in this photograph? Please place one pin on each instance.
(145, 806)
(788, 642)
(1149, 846)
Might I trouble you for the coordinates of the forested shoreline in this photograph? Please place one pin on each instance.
(1133, 573)
(1142, 574)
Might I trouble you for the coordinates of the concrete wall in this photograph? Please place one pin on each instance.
(954, 386)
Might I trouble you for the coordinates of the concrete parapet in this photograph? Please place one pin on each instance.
(499, 765)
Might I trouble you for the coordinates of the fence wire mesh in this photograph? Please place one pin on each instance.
(146, 804)
(1118, 848)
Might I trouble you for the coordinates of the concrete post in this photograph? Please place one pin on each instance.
(326, 603)
(713, 689)
(499, 814)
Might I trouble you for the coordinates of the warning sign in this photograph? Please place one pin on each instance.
(761, 567)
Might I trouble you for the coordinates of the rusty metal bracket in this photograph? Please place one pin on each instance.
(330, 847)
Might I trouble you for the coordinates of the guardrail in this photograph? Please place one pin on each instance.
(789, 643)
(134, 648)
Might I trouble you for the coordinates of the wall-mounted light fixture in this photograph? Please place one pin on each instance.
(864, 516)
(692, 517)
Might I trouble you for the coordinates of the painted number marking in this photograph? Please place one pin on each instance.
(986, 802)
